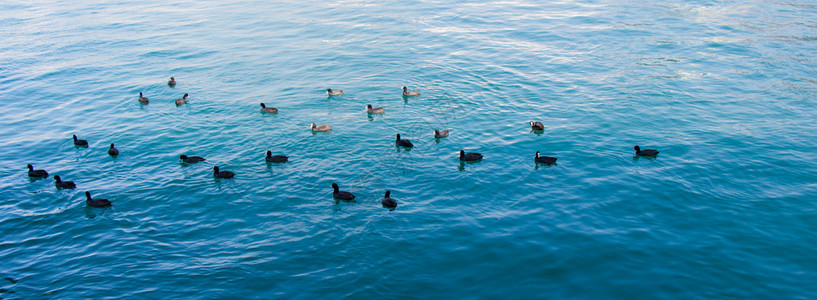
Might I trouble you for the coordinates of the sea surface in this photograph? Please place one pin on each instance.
(725, 90)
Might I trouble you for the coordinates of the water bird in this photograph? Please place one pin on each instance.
(406, 92)
(440, 134)
(171, 82)
(266, 109)
(143, 99)
(222, 174)
(36, 173)
(191, 159)
(538, 126)
(544, 159)
(471, 156)
(275, 158)
(371, 110)
(403, 143)
(331, 92)
(113, 151)
(64, 184)
(645, 152)
(80, 143)
(321, 128)
(181, 100)
(342, 195)
(98, 202)
(388, 201)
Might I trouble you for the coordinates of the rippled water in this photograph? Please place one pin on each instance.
(725, 90)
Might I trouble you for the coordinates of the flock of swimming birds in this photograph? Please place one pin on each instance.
(386, 201)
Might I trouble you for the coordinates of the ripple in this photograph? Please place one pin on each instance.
(726, 100)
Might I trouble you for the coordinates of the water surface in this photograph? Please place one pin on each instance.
(725, 90)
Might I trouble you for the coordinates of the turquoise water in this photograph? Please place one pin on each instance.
(724, 89)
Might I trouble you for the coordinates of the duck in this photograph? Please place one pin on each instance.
(440, 134)
(64, 184)
(80, 143)
(321, 128)
(403, 143)
(406, 92)
(36, 173)
(471, 156)
(371, 110)
(334, 92)
(98, 202)
(113, 151)
(222, 174)
(276, 158)
(538, 126)
(388, 201)
(181, 100)
(342, 195)
(645, 152)
(544, 159)
(143, 99)
(266, 109)
(171, 82)
(191, 159)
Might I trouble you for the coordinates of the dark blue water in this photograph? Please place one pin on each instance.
(724, 90)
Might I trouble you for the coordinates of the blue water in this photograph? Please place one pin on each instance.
(724, 89)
